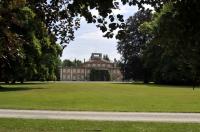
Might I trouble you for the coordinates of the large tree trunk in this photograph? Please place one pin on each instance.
(13, 81)
(146, 76)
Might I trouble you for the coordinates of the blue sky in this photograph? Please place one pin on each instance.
(88, 39)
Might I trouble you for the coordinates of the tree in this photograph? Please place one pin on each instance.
(175, 36)
(69, 63)
(62, 17)
(25, 44)
(131, 45)
(105, 57)
(77, 62)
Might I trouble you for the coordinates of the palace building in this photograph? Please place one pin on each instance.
(86, 70)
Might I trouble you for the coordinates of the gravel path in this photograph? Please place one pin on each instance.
(102, 116)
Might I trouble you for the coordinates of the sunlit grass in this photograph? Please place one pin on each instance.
(26, 125)
(100, 97)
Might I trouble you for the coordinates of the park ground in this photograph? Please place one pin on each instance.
(30, 125)
(123, 97)
(126, 97)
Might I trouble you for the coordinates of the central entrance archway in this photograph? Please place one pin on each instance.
(99, 75)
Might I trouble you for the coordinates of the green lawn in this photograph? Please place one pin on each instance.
(26, 125)
(100, 97)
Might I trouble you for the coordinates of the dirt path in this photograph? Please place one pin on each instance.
(102, 116)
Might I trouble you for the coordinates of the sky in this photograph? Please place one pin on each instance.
(89, 39)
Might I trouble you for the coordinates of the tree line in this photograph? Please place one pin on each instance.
(162, 45)
(33, 34)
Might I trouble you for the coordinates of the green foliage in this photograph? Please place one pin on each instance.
(131, 45)
(36, 45)
(171, 53)
(175, 36)
(28, 51)
(69, 63)
(63, 17)
(27, 13)
(105, 57)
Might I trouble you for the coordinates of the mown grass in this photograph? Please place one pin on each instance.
(100, 97)
(30, 125)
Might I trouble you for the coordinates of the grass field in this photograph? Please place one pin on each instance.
(25, 125)
(100, 97)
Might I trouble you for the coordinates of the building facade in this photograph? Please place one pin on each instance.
(96, 62)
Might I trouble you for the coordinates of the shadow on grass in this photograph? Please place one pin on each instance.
(25, 83)
(9, 89)
(134, 83)
(159, 85)
(128, 83)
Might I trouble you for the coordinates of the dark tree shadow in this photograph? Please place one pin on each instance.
(25, 83)
(136, 83)
(9, 89)
(133, 83)
(157, 85)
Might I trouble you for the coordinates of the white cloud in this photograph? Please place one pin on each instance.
(90, 35)
(122, 10)
(90, 42)
(89, 39)
(97, 35)
(148, 7)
